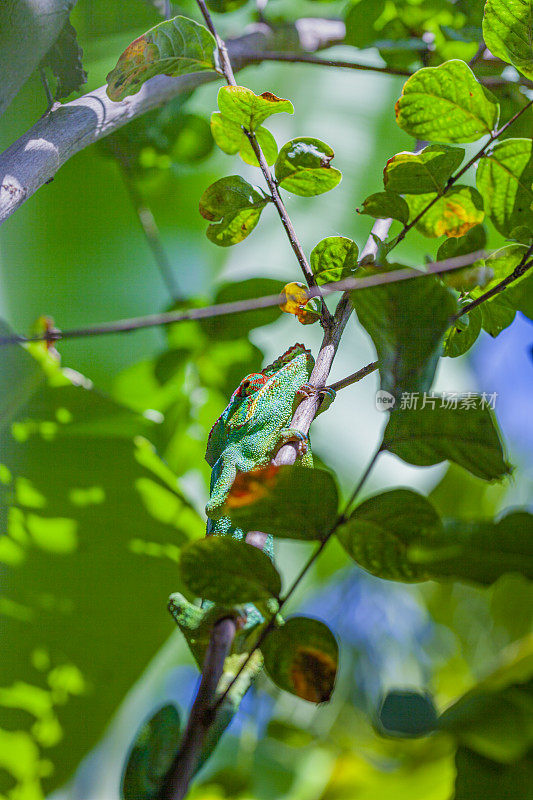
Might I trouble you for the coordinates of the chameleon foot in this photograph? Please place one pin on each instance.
(293, 435)
(326, 396)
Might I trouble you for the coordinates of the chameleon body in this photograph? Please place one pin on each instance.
(253, 426)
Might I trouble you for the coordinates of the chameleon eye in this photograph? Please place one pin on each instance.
(251, 384)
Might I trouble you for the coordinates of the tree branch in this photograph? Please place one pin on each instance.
(223, 309)
(34, 159)
(202, 713)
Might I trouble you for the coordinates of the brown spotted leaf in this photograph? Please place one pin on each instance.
(241, 105)
(452, 215)
(301, 657)
(174, 47)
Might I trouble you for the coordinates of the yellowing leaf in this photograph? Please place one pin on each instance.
(294, 299)
(174, 47)
(248, 487)
(245, 108)
(452, 215)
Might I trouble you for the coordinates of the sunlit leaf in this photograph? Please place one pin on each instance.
(174, 47)
(225, 6)
(446, 104)
(85, 502)
(383, 205)
(301, 657)
(151, 755)
(507, 32)
(294, 299)
(226, 570)
(231, 138)
(294, 503)
(235, 205)
(360, 18)
(467, 435)
(406, 321)
(453, 215)
(333, 259)
(245, 108)
(303, 167)
(504, 177)
(423, 172)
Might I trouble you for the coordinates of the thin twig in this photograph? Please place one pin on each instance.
(202, 713)
(223, 309)
(227, 69)
(354, 377)
(151, 233)
(303, 58)
(453, 180)
(518, 272)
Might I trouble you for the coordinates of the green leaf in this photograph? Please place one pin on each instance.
(333, 259)
(151, 755)
(85, 502)
(466, 435)
(476, 275)
(497, 314)
(520, 295)
(507, 26)
(235, 205)
(407, 713)
(383, 205)
(463, 334)
(407, 321)
(174, 47)
(452, 215)
(296, 503)
(231, 139)
(226, 570)
(218, 329)
(504, 177)
(446, 104)
(397, 535)
(381, 530)
(65, 61)
(480, 551)
(423, 172)
(225, 6)
(360, 18)
(481, 777)
(303, 167)
(494, 717)
(242, 106)
(301, 657)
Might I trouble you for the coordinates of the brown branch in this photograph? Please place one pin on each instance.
(518, 272)
(354, 377)
(304, 58)
(33, 159)
(223, 309)
(202, 713)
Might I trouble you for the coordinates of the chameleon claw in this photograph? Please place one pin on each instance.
(293, 435)
(326, 396)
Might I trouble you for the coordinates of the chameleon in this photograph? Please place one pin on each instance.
(254, 424)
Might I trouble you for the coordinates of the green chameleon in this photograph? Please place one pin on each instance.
(247, 435)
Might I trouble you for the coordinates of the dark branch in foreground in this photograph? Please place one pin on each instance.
(202, 715)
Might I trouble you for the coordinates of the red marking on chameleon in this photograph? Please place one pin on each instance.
(248, 487)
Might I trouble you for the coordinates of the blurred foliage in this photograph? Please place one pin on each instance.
(429, 686)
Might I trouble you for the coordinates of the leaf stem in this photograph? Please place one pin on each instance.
(227, 69)
(304, 58)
